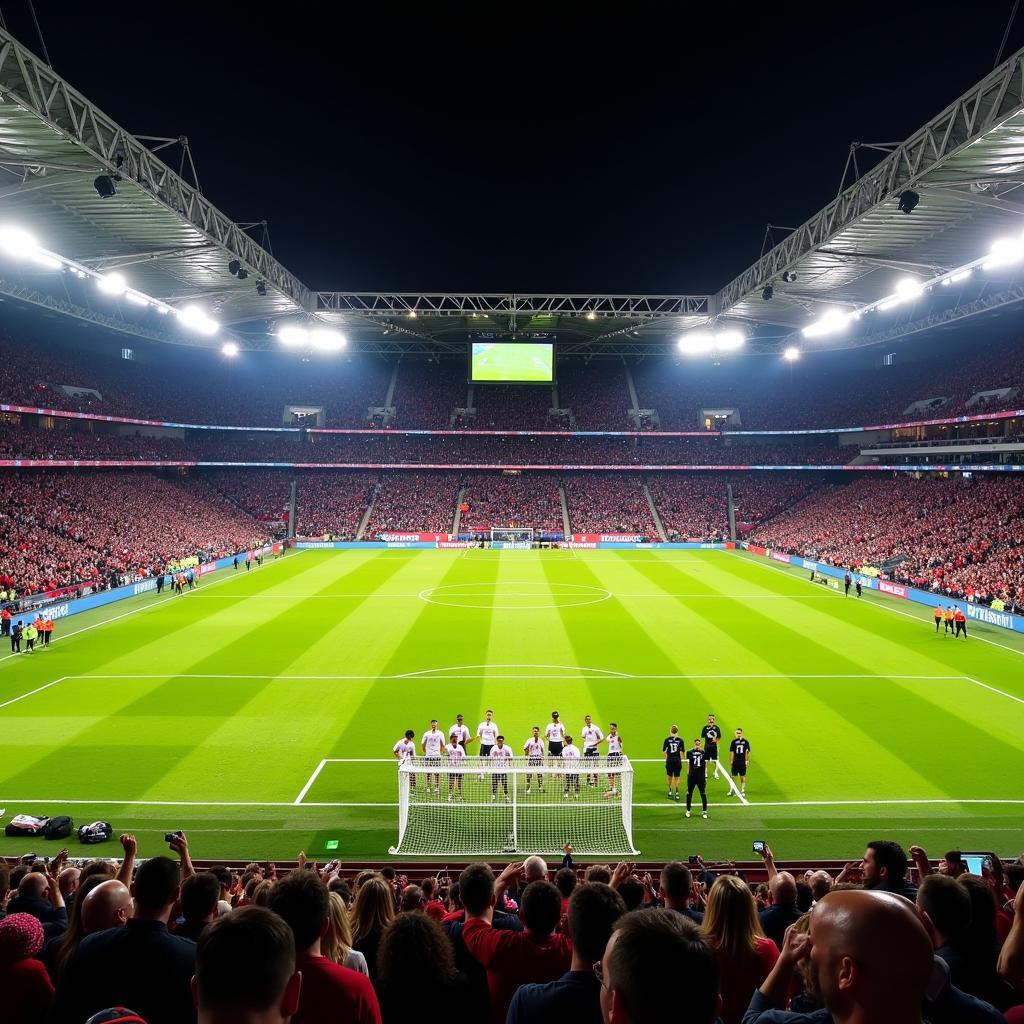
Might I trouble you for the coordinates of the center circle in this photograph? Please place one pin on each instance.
(512, 596)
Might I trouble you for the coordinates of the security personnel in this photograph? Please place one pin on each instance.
(947, 618)
(960, 622)
(938, 617)
(16, 632)
(5, 622)
(30, 634)
(47, 631)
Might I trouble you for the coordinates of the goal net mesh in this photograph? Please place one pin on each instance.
(480, 808)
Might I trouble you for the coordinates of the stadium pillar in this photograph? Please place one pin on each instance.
(732, 513)
(292, 497)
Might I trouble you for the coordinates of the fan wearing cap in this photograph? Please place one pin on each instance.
(555, 735)
(27, 991)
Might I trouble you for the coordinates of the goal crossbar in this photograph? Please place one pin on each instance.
(482, 806)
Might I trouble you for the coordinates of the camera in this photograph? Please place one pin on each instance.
(693, 859)
(758, 846)
(169, 837)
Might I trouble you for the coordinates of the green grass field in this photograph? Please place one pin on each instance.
(211, 712)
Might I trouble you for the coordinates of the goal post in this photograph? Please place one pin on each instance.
(509, 536)
(481, 808)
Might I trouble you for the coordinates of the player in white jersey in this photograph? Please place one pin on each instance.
(571, 756)
(454, 755)
(614, 738)
(534, 750)
(554, 733)
(433, 744)
(500, 754)
(405, 750)
(592, 736)
(461, 732)
(487, 734)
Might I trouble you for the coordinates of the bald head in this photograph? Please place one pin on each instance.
(783, 889)
(68, 881)
(535, 869)
(872, 956)
(820, 883)
(106, 906)
(34, 885)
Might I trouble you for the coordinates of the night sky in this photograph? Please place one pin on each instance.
(599, 147)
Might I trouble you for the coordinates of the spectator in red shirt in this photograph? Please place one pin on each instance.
(330, 992)
(24, 981)
(656, 960)
(745, 956)
(535, 954)
(245, 969)
(434, 908)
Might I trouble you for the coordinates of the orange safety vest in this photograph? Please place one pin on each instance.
(938, 612)
(48, 626)
(948, 615)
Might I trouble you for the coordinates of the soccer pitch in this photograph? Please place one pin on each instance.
(259, 711)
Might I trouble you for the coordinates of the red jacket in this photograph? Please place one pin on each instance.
(513, 959)
(331, 992)
(27, 991)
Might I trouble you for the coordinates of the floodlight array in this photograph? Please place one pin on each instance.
(698, 343)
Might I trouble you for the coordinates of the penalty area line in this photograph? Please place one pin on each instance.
(309, 782)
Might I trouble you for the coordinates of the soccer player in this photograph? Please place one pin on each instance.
(711, 734)
(696, 777)
(614, 751)
(454, 754)
(499, 755)
(461, 730)
(571, 757)
(432, 745)
(960, 622)
(592, 736)
(534, 750)
(405, 750)
(554, 733)
(487, 733)
(672, 748)
(739, 751)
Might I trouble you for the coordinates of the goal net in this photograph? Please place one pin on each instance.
(482, 808)
(518, 535)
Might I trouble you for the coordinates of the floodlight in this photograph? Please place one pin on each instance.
(112, 283)
(1004, 251)
(326, 340)
(696, 343)
(591, 315)
(909, 288)
(791, 354)
(229, 349)
(767, 293)
(412, 314)
(828, 323)
(136, 298)
(960, 275)
(105, 186)
(908, 200)
(18, 242)
(195, 319)
(729, 340)
(293, 335)
(162, 309)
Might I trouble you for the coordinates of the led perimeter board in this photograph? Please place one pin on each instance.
(512, 362)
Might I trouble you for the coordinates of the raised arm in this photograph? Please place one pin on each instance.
(1011, 957)
(130, 847)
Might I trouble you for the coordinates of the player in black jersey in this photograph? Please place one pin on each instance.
(696, 777)
(711, 734)
(672, 748)
(739, 752)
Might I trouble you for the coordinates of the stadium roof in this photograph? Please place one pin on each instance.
(175, 246)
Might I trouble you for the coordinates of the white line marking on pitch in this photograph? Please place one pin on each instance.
(141, 608)
(440, 674)
(985, 686)
(38, 689)
(309, 782)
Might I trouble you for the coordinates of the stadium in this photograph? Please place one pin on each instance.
(411, 581)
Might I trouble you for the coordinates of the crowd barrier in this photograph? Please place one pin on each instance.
(64, 609)
(974, 612)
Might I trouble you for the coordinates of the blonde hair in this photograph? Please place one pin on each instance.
(730, 920)
(336, 943)
(374, 908)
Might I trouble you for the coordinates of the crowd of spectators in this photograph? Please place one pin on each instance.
(423, 502)
(695, 504)
(99, 529)
(512, 407)
(426, 393)
(167, 944)
(502, 499)
(596, 392)
(608, 503)
(964, 539)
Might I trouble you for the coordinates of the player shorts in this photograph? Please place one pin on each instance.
(432, 762)
(535, 762)
(615, 759)
(673, 768)
(739, 768)
(590, 752)
(485, 749)
(711, 753)
(554, 749)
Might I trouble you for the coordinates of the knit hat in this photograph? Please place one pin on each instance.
(115, 1015)
(21, 935)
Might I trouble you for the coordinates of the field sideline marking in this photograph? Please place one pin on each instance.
(437, 674)
(38, 689)
(309, 782)
(135, 611)
(886, 606)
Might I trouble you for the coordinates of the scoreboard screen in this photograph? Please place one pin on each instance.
(512, 362)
